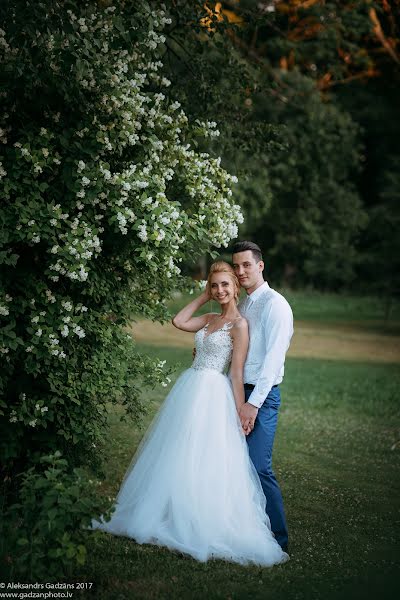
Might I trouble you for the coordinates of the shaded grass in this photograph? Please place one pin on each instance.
(339, 478)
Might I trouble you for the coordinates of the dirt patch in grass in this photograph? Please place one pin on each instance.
(311, 340)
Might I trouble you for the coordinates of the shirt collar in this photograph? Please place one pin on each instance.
(258, 292)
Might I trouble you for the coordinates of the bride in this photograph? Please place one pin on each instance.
(191, 485)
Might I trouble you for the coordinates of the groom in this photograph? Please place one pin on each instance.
(270, 322)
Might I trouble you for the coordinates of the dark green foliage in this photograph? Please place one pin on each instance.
(45, 530)
(381, 259)
(305, 95)
(316, 212)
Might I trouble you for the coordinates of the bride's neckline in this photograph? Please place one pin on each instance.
(206, 335)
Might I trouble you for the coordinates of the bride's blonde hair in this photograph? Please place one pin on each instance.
(220, 266)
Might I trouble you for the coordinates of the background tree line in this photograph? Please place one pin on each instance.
(306, 96)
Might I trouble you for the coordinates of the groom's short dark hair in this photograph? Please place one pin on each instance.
(243, 246)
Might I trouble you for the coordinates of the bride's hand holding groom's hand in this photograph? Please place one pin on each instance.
(248, 414)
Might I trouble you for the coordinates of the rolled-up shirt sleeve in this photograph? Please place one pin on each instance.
(277, 323)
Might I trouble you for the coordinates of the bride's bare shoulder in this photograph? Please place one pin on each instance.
(241, 325)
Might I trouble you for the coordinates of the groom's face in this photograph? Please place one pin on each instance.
(247, 269)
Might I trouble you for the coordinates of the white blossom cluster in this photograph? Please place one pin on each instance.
(3, 172)
(4, 310)
(77, 243)
(159, 366)
(68, 323)
(208, 128)
(28, 413)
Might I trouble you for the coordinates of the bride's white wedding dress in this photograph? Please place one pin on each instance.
(191, 485)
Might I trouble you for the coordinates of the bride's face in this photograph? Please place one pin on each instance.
(222, 288)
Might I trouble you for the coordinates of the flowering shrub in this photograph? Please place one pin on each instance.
(103, 195)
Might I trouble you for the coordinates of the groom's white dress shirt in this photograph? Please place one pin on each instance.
(270, 320)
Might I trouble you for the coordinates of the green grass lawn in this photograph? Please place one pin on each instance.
(337, 462)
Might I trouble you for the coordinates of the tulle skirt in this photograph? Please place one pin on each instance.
(191, 485)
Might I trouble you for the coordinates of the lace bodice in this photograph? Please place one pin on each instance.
(213, 350)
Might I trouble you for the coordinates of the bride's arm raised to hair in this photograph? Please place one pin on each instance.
(183, 319)
(240, 336)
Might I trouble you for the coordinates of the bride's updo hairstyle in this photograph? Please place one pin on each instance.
(220, 266)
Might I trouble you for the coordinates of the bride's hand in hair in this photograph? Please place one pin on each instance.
(185, 320)
(206, 293)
